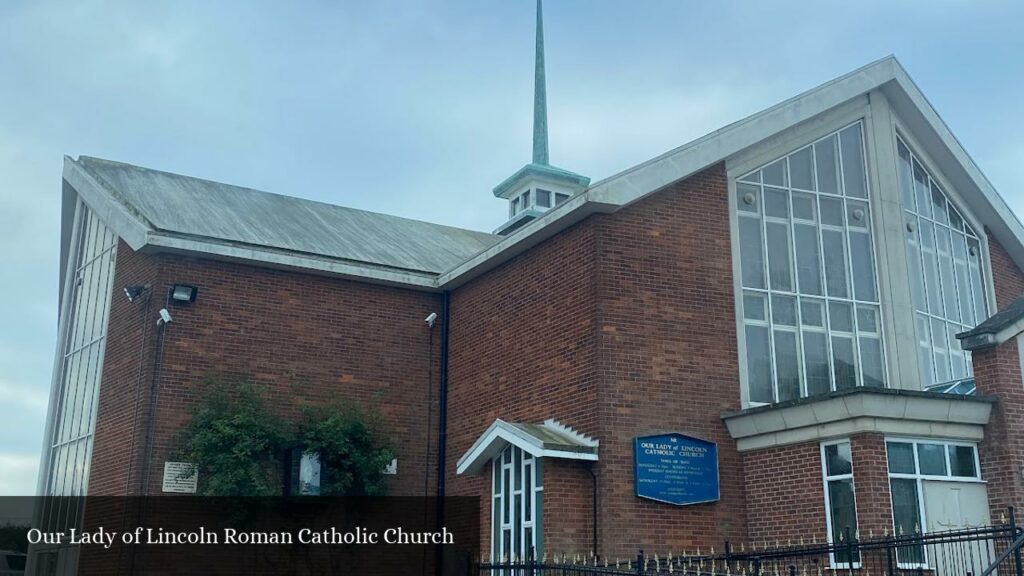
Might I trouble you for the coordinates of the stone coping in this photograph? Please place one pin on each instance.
(882, 410)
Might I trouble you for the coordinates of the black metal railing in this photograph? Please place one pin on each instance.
(981, 551)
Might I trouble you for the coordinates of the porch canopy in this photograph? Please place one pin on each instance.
(548, 440)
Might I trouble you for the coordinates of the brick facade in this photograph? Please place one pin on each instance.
(620, 326)
(319, 339)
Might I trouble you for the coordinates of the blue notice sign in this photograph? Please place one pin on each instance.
(675, 469)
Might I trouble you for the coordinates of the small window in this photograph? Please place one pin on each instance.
(524, 200)
(840, 505)
(543, 198)
(559, 198)
(515, 207)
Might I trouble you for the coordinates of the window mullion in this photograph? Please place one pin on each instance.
(827, 318)
(768, 288)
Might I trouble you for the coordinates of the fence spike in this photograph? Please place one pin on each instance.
(1002, 517)
(670, 570)
(712, 550)
(801, 540)
(743, 547)
(885, 531)
(917, 528)
(871, 533)
(856, 535)
(629, 564)
(595, 560)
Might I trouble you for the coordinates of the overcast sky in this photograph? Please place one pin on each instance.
(418, 108)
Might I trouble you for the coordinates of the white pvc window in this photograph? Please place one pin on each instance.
(944, 255)
(515, 505)
(810, 305)
(911, 462)
(840, 504)
(81, 366)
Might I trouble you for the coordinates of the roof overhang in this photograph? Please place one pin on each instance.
(860, 410)
(548, 440)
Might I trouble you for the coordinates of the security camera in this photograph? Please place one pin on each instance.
(165, 317)
(431, 319)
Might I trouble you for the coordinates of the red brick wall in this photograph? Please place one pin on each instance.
(1008, 279)
(305, 338)
(785, 494)
(997, 372)
(621, 326)
(667, 359)
(522, 348)
(871, 484)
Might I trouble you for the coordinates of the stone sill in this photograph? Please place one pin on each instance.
(838, 414)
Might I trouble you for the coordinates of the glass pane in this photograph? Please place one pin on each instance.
(840, 316)
(906, 178)
(958, 367)
(867, 319)
(945, 257)
(932, 459)
(801, 169)
(811, 312)
(853, 162)
(914, 259)
(776, 202)
(963, 280)
(940, 351)
(872, 361)
(931, 267)
(925, 350)
(961, 461)
(759, 367)
(921, 191)
(779, 269)
(784, 310)
(974, 258)
(844, 362)
(938, 204)
(787, 365)
(752, 177)
(838, 460)
(834, 246)
(827, 163)
(831, 211)
(559, 198)
(746, 198)
(751, 253)
(901, 457)
(843, 512)
(863, 266)
(906, 518)
(816, 366)
(774, 174)
(808, 259)
(543, 198)
(804, 207)
(755, 306)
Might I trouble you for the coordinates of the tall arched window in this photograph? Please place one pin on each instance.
(944, 256)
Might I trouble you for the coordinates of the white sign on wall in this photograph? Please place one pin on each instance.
(180, 477)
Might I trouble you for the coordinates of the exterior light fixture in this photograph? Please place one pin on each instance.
(133, 292)
(183, 293)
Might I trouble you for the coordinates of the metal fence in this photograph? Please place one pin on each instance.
(982, 551)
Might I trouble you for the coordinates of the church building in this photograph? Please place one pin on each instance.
(805, 321)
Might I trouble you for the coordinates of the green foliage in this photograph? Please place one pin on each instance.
(353, 451)
(234, 441)
(238, 445)
(14, 537)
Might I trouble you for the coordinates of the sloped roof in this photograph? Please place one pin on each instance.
(999, 328)
(551, 439)
(149, 208)
(197, 208)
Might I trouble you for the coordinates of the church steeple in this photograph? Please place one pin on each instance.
(538, 186)
(540, 96)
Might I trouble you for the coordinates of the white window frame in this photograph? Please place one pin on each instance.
(531, 488)
(825, 479)
(902, 135)
(921, 478)
(872, 201)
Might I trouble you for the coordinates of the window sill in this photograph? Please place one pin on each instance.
(881, 410)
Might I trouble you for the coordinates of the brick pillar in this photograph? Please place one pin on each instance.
(997, 372)
(871, 485)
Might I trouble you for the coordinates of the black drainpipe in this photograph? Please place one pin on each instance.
(593, 475)
(442, 422)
